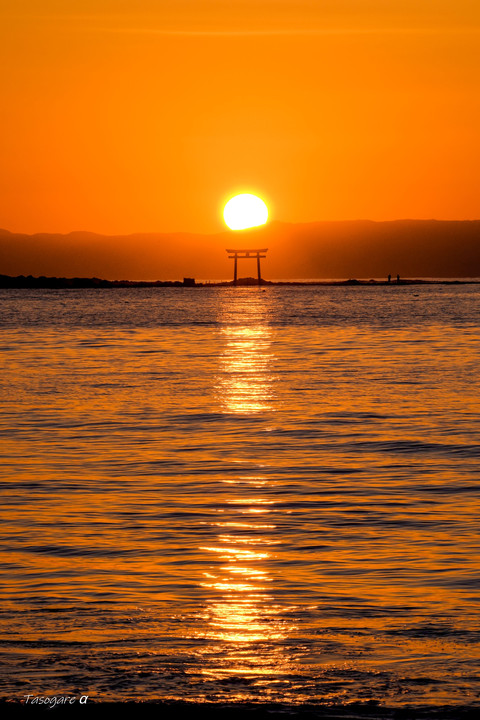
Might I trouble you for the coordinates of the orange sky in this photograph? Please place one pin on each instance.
(146, 116)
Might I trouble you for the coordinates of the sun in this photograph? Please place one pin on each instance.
(245, 211)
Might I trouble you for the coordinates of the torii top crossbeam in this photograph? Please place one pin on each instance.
(248, 253)
(244, 254)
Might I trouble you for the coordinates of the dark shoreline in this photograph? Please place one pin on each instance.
(54, 283)
(171, 710)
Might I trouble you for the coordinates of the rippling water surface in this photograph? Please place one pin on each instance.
(241, 494)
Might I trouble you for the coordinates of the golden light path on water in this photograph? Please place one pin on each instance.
(243, 613)
(245, 380)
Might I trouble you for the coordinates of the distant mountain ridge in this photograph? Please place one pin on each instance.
(342, 249)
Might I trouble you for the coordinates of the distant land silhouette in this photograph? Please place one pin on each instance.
(337, 250)
(29, 281)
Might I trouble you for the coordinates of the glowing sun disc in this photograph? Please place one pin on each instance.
(245, 211)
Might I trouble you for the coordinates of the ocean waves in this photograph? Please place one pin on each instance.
(262, 497)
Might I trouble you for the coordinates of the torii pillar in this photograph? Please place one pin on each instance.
(236, 255)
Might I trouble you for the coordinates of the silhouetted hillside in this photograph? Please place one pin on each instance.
(358, 249)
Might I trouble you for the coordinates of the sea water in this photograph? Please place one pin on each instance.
(241, 494)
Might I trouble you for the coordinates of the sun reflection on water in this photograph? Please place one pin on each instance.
(245, 626)
(241, 613)
(245, 381)
(241, 608)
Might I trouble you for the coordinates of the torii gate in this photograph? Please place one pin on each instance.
(243, 255)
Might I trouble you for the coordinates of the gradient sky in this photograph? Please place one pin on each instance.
(147, 116)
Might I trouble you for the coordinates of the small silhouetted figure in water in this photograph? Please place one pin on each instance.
(398, 278)
(389, 277)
